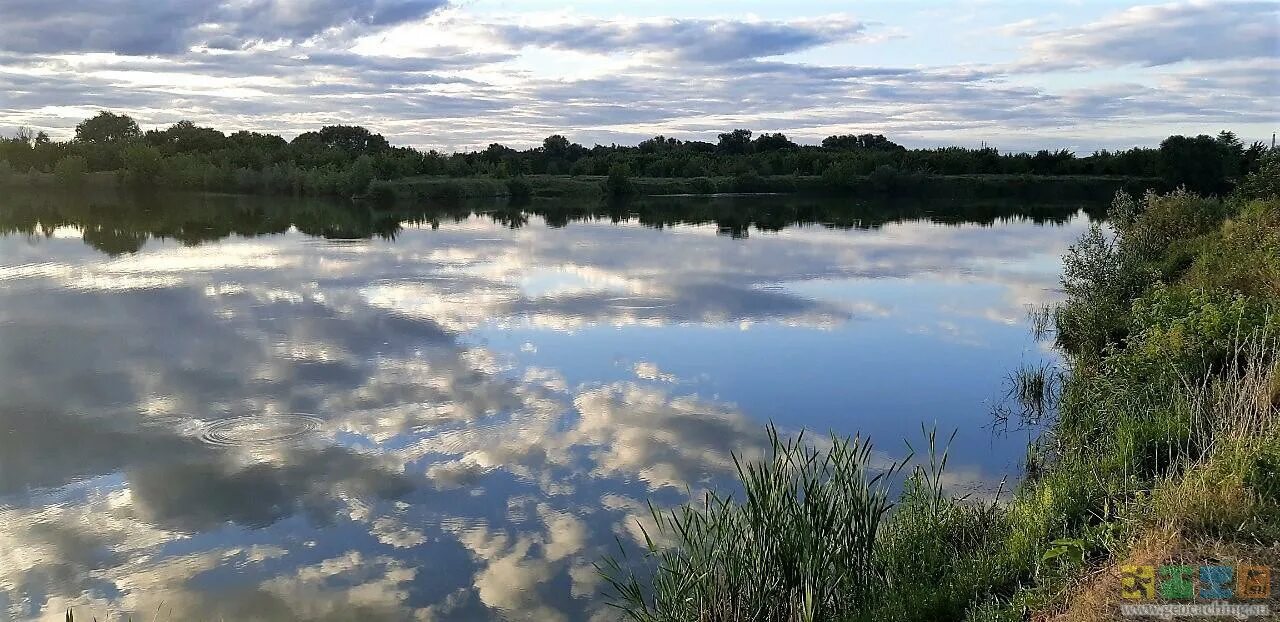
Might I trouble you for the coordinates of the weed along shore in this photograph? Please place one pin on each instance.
(1154, 488)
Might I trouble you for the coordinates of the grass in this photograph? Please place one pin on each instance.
(813, 538)
(1162, 443)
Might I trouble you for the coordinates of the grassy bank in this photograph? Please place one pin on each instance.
(1164, 447)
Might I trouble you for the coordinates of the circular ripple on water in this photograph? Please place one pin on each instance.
(256, 430)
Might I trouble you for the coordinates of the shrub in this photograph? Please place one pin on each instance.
(841, 175)
(519, 188)
(381, 192)
(1190, 332)
(358, 176)
(1100, 280)
(885, 177)
(702, 185)
(71, 170)
(749, 181)
(1165, 219)
(450, 190)
(618, 183)
(141, 166)
(1245, 257)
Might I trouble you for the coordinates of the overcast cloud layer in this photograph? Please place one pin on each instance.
(431, 74)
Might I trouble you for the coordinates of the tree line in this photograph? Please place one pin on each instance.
(344, 160)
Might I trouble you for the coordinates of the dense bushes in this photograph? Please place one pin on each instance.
(1190, 331)
(70, 170)
(518, 188)
(141, 166)
(618, 183)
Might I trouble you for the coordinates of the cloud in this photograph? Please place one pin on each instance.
(646, 370)
(1258, 78)
(664, 440)
(706, 40)
(146, 27)
(450, 80)
(1157, 35)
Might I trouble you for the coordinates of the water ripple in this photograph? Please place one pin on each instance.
(256, 430)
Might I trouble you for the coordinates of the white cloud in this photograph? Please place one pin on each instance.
(456, 79)
(645, 370)
(1154, 35)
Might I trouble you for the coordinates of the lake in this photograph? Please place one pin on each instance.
(249, 408)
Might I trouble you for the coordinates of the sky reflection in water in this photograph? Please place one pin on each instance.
(465, 416)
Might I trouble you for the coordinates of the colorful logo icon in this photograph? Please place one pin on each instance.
(1174, 582)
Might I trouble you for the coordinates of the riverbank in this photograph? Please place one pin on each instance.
(1163, 450)
(440, 189)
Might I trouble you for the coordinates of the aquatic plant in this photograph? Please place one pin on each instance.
(1040, 318)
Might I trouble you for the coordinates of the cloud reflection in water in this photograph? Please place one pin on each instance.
(493, 405)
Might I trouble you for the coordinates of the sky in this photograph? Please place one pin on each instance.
(458, 75)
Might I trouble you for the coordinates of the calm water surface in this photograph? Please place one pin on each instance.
(246, 409)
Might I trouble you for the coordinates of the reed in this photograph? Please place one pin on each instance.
(800, 545)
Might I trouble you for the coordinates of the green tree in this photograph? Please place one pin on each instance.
(1197, 163)
(850, 142)
(351, 139)
(773, 142)
(186, 137)
(495, 153)
(841, 174)
(556, 146)
(107, 127)
(736, 142)
(1232, 154)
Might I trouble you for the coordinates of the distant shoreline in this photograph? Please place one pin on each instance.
(440, 188)
(352, 162)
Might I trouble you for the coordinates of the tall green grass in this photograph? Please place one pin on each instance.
(815, 536)
(799, 545)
